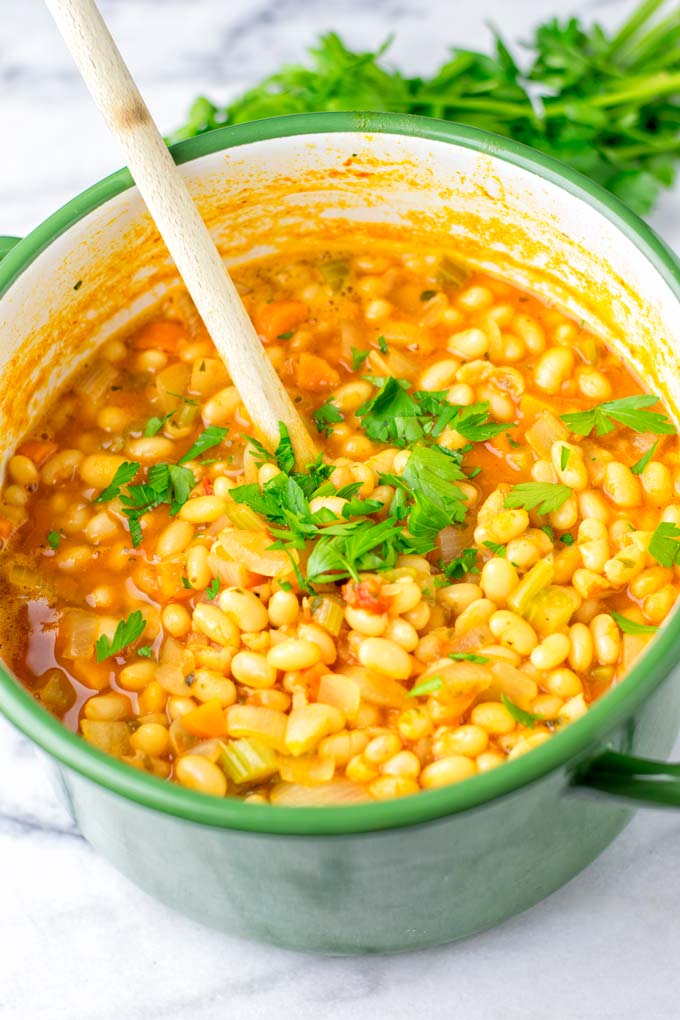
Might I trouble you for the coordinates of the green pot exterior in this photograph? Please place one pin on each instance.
(374, 892)
(391, 875)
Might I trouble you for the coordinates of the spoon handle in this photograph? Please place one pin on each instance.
(187, 238)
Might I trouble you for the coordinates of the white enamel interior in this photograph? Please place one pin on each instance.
(277, 191)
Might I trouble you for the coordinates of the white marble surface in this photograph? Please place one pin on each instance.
(77, 942)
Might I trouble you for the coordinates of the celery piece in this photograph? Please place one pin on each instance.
(243, 517)
(247, 760)
(336, 273)
(550, 610)
(328, 611)
(451, 274)
(539, 577)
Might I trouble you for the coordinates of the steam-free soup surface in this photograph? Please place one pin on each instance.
(484, 546)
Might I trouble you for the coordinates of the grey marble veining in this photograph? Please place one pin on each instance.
(77, 942)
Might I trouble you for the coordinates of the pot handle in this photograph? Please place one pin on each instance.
(6, 245)
(624, 777)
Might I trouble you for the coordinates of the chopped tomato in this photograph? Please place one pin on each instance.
(366, 594)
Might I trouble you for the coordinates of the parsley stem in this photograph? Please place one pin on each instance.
(628, 29)
(639, 89)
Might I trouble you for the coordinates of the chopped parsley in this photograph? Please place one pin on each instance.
(520, 715)
(325, 417)
(144, 651)
(567, 539)
(457, 568)
(468, 657)
(125, 633)
(186, 583)
(213, 588)
(546, 497)
(664, 544)
(213, 436)
(382, 345)
(629, 411)
(427, 295)
(155, 424)
(429, 686)
(285, 336)
(358, 358)
(565, 454)
(284, 456)
(124, 474)
(628, 626)
(644, 460)
(53, 539)
(496, 548)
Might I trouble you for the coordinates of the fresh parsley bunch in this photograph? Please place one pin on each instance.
(608, 105)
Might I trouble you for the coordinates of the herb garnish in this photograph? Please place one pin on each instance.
(468, 657)
(325, 417)
(664, 544)
(629, 411)
(429, 686)
(605, 103)
(520, 715)
(53, 539)
(125, 633)
(628, 626)
(124, 474)
(546, 497)
(213, 436)
(644, 460)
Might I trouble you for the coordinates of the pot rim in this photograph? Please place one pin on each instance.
(566, 747)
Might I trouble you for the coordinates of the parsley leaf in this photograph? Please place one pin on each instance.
(155, 424)
(496, 548)
(213, 436)
(391, 416)
(520, 715)
(125, 633)
(285, 336)
(457, 568)
(629, 411)
(546, 497)
(565, 454)
(53, 539)
(468, 657)
(431, 475)
(664, 544)
(427, 295)
(644, 460)
(186, 583)
(213, 588)
(285, 458)
(631, 627)
(325, 417)
(358, 358)
(144, 651)
(124, 474)
(382, 345)
(429, 686)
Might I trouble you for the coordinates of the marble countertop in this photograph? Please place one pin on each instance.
(77, 941)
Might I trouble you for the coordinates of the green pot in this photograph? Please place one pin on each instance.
(443, 864)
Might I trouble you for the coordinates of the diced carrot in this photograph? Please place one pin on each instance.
(95, 675)
(6, 527)
(208, 720)
(314, 373)
(38, 450)
(160, 335)
(277, 317)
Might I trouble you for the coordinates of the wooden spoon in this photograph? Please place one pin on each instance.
(180, 225)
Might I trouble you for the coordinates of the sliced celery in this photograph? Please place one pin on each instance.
(328, 611)
(550, 610)
(247, 760)
(539, 577)
(336, 273)
(242, 517)
(451, 274)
